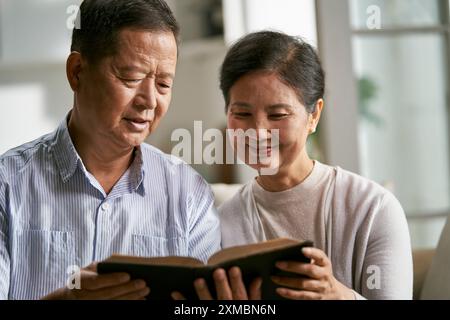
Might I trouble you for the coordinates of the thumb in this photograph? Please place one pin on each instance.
(92, 267)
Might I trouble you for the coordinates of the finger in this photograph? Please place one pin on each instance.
(94, 281)
(255, 289)
(317, 256)
(223, 289)
(177, 296)
(92, 267)
(299, 283)
(305, 269)
(137, 295)
(118, 291)
(298, 295)
(202, 289)
(239, 292)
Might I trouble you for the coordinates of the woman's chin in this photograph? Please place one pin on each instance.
(265, 169)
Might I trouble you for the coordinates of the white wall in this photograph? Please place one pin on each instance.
(33, 100)
(294, 17)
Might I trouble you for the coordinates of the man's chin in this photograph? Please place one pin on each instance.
(134, 140)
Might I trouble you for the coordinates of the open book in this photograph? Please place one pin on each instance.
(167, 274)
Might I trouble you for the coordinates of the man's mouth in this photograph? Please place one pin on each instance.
(138, 124)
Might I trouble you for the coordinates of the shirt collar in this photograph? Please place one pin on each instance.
(68, 160)
(66, 155)
(132, 180)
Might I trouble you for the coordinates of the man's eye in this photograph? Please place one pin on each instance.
(131, 81)
(165, 86)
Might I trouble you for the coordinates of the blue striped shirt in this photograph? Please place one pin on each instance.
(54, 214)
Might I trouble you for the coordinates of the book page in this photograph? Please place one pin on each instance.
(251, 249)
(159, 261)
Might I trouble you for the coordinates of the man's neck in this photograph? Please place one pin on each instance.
(104, 160)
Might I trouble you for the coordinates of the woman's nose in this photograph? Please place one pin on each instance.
(261, 123)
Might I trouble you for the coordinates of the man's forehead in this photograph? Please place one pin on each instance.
(137, 50)
(138, 39)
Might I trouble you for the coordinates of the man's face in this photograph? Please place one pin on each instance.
(123, 97)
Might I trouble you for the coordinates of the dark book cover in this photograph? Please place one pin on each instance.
(164, 279)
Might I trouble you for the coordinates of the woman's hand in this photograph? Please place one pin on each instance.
(227, 288)
(317, 281)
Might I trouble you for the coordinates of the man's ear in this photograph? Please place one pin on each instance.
(73, 70)
(315, 116)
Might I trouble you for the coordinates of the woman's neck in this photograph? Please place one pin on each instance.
(288, 176)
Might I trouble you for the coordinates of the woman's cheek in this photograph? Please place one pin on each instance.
(234, 124)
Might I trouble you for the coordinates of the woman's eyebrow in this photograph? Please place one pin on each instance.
(279, 106)
(241, 104)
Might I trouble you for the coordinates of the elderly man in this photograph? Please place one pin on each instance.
(92, 187)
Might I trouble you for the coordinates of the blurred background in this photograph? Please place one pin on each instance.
(387, 103)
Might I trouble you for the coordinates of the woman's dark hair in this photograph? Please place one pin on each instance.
(296, 63)
(100, 21)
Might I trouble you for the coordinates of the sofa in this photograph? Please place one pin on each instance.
(421, 258)
(421, 261)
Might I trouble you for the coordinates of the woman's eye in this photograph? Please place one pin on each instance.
(278, 115)
(242, 114)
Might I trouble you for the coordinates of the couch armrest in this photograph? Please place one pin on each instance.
(421, 262)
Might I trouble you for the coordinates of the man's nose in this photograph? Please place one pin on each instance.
(147, 94)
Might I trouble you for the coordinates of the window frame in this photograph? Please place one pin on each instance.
(341, 120)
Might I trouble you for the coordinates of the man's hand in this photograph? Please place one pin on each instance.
(113, 286)
(231, 288)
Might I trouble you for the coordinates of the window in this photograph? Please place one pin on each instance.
(399, 64)
(401, 72)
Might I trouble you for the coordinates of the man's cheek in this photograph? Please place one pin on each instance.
(160, 112)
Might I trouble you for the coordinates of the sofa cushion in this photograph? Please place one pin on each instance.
(224, 192)
(437, 281)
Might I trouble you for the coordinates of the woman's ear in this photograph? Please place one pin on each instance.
(73, 70)
(315, 116)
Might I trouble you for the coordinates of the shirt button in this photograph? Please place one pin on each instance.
(105, 206)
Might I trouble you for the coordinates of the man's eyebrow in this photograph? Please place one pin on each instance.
(131, 69)
(166, 75)
(143, 70)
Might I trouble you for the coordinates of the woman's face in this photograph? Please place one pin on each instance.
(260, 100)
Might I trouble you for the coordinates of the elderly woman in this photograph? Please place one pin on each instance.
(362, 247)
